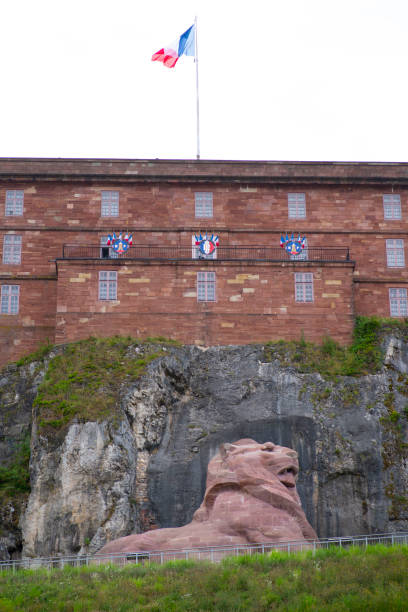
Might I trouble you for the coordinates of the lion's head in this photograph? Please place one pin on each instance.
(267, 471)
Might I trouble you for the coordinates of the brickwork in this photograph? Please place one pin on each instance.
(62, 205)
(41, 248)
(370, 297)
(35, 322)
(254, 302)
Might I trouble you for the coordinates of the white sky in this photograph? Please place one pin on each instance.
(279, 79)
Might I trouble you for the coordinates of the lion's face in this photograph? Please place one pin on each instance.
(281, 462)
(247, 462)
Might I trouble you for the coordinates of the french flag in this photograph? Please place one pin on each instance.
(185, 45)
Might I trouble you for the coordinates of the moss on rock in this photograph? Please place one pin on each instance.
(84, 382)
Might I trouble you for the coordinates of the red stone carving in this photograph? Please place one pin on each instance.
(251, 497)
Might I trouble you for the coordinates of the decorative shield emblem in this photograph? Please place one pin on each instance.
(292, 245)
(205, 244)
(120, 243)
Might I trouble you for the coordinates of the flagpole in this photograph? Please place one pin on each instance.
(197, 97)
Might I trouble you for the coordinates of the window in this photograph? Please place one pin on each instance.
(392, 206)
(398, 303)
(106, 251)
(206, 286)
(196, 253)
(204, 204)
(395, 253)
(108, 285)
(302, 255)
(296, 206)
(303, 287)
(11, 249)
(9, 299)
(14, 202)
(110, 204)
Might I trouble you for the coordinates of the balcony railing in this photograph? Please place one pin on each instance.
(224, 253)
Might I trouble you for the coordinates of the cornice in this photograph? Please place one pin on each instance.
(202, 171)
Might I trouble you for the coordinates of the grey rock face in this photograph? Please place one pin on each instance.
(105, 480)
(82, 490)
(18, 388)
(353, 456)
(339, 431)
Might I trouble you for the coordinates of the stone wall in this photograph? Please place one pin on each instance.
(254, 302)
(34, 324)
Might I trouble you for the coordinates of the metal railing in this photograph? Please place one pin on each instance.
(225, 253)
(210, 553)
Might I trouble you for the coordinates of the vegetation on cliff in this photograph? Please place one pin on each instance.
(363, 356)
(331, 580)
(85, 380)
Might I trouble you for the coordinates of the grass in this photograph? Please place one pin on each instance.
(332, 580)
(84, 382)
(363, 356)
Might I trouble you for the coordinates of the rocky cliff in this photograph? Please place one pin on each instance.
(144, 464)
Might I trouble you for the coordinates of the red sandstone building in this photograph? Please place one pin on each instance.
(61, 282)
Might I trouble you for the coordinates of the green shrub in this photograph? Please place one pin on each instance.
(363, 356)
(329, 347)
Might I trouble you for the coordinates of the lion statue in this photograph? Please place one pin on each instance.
(250, 498)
